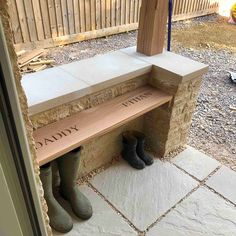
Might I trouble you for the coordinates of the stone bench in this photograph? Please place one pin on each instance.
(60, 137)
(103, 96)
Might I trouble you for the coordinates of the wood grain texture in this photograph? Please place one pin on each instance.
(118, 12)
(52, 18)
(15, 24)
(38, 19)
(59, 17)
(82, 15)
(67, 39)
(29, 56)
(93, 14)
(30, 20)
(127, 12)
(88, 15)
(98, 14)
(122, 3)
(113, 13)
(108, 13)
(23, 21)
(34, 22)
(65, 18)
(60, 137)
(71, 16)
(46, 21)
(152, 27)
(103, 13)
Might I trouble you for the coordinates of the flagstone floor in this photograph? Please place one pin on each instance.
(192, 195)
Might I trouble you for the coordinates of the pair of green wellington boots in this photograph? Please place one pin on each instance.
(133, 150)
(68, 166)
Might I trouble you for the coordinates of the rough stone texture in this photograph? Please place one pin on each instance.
(167, 126)
(104, 222)
(23, 103)
(198, 216)
(42, 119)
(143, 196)
(195, 163)
(102, 150)
(224, 182)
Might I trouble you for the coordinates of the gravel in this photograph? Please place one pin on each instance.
(213, 128)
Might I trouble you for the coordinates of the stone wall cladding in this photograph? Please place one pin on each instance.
(24, 107)
(167, 126)
(89, 101)
(99, 151)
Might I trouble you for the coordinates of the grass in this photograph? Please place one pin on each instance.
(217, 35)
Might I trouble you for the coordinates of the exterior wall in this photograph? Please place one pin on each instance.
(22, 98)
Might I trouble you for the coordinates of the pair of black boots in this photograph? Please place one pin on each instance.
(133, 150)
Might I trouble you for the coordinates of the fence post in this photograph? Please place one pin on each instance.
(152, 26)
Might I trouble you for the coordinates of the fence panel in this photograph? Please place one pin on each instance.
(48, 23)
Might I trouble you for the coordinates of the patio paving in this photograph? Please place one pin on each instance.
(105, 220)
(143, 196)
(192, 195)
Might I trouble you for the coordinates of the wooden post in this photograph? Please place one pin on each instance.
(152, 26)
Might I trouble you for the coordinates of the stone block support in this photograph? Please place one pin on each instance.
(167, 126)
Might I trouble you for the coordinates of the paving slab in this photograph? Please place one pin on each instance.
(195, 163)
(224, 182)
(104, 222)
(143, 196)
(202, 214)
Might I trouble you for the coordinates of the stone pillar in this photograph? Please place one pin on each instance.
(167, 126)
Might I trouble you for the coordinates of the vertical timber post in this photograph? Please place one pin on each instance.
(152, 26)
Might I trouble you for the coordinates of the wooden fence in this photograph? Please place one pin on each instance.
(48, 23)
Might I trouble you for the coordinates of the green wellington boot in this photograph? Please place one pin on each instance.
(140, 148)
(68, 166)
(129, 151)
(59, 218)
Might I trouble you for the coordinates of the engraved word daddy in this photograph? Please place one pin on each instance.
(55, 137)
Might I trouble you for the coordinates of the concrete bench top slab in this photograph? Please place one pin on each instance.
(56, 86)
(50, 88)
(107, 70)
(59, 85)
(181, 67)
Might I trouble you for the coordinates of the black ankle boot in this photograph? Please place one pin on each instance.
(129, 151)
(140, 148)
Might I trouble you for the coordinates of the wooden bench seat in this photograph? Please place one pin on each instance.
(60, 137)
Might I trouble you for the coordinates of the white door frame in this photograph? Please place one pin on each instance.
(15, 157)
